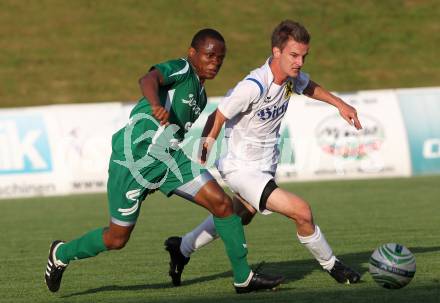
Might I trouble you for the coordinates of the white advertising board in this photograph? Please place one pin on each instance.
(63, 149)
(83, 143)
(53, 150)
(26, 156)
(327, 147)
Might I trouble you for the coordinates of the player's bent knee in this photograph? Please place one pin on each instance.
(117, 243)
(303, 215)
(222, 207)
(116, 236)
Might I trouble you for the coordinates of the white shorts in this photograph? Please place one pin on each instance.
(249, 184)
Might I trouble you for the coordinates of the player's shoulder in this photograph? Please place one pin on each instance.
(260, 74)
(178, 62)
(178, 66)
(256, 80)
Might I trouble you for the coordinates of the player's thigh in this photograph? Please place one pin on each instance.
(125, 196)
(196, 184)
(288, 204)
(249, 184)
(213, 197)
(189, 177)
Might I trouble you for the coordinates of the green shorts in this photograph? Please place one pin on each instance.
(127, 188)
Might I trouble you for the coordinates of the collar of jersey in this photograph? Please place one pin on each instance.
(270, 75)
(193, 69)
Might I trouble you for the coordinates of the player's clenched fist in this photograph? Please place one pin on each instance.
(161, 114)
(205, 148)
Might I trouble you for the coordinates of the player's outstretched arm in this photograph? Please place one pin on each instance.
(149, 85)
(210, 133)
(348, 112)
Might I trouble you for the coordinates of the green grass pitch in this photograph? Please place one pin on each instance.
(356, 217)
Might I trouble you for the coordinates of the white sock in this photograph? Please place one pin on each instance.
(320, 249)
(200, 236)
(245, 283)
(57, 262)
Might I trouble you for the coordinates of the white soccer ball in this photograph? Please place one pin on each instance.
(392, 265)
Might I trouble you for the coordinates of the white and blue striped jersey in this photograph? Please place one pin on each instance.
(254, 109)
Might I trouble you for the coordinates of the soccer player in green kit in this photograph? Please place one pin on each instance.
(146, 157)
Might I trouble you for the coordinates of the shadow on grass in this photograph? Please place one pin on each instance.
(291, 270)
(425, 294)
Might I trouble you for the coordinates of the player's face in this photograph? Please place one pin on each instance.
(291, 57)
(207, 59)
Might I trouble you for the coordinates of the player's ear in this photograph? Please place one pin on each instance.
(191, 52)
(276, 51)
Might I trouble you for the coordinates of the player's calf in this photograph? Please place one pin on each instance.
(212, 197)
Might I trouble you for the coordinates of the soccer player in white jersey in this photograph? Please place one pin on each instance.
(252, 113)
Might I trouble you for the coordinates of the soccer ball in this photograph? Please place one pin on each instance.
(392, 265)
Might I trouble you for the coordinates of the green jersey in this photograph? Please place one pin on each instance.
(145, 155)
(181, 94)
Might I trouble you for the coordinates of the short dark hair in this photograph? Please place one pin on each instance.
(203, 34)
(289, 29)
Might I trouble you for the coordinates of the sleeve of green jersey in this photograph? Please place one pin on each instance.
(173, 71)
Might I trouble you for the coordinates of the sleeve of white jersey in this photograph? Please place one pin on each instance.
(239, 99)
(301, 82)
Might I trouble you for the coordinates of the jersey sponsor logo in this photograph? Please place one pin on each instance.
(24, 145)
(289, 89)
(272, 112)
(192, 103)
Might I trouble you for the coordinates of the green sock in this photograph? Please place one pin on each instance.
(86, 246)
(231, 231)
